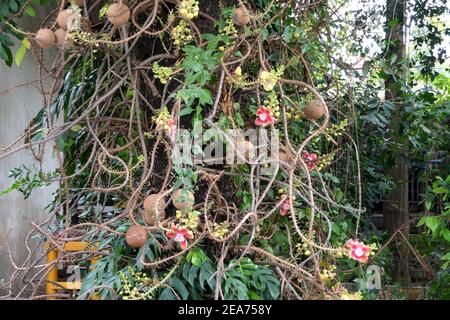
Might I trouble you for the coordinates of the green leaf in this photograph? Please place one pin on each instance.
(274, 290)
(76, 128)
(13, 5)
(440, 190)
(20, 54)
(192, 275)
(238, 118)
(428, 205)
(185, 272)
(393, 23)
(176, 283)
(253, 295)
(432, 222)
(421, 221)
(3, 53)
(205, 275)
(446, 235)
(166, 294)
(196, 261)
(185, 111)
(204, 96)
(446, 257)
(29, 10)
(4, 9)
(7, 42)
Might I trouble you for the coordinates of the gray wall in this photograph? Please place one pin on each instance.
(17, 108)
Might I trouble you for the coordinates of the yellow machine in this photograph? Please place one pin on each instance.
(53, 284)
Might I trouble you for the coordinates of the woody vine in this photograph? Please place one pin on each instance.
(129, 75)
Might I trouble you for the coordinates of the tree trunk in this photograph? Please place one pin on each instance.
(395, 208)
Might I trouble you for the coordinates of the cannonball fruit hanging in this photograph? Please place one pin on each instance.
(61, 39)
(45, 38)
(241, 16)
(182, 199)
(154, 206)
(118, 14)
(63, 18)
(313, 110)
(136, 236)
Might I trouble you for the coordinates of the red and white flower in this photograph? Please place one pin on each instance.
(310, 159)
(358, 251)
(284, 208)
(180, 235)
(264, 116)
(172, 125)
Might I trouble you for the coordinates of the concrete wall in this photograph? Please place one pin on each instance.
(17, 108)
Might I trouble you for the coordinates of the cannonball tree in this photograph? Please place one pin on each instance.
(133, 81)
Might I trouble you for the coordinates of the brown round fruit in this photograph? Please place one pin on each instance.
(183, 198)
(61, 39)
(241, 16)
(118, 14)
(313, 110)
(45, 38)
(136, 236)
(246, 149)
(154, 206)
(63, 18)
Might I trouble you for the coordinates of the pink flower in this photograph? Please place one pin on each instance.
(180, 234)
(358, 251)
(310, 159)
(285, 206)
(172, 124)
(264, 116)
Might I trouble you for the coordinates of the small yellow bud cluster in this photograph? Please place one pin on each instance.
(239, 76)
(103, 10)
(374, 248)
(328, 274)
(79, 36)
(340, 253)
(220, 230)
(302, 248)
(136, 288)
(188, 218)
(164, 120)
(229, 29)
(162, 73)
(281, 191)
(181, 34)
(336, 130)
(105, 37)
(292, 114)
(188, 9)
(325, 161)
(273, 104)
